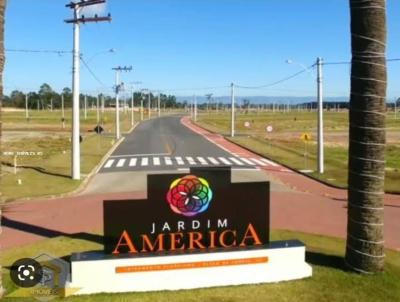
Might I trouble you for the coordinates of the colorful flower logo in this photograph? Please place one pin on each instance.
(189, 195)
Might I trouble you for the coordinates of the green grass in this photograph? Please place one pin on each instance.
(285, 146)
(51, 120)
(48, 172)
(330, 281)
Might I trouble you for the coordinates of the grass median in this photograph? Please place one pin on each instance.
(43, 163)
(284, 144)
(330, 280)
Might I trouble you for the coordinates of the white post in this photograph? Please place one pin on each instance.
(97, 110)
(320, 118)
(26, 107)
(149, 106)
(191, 108)
(85, 107)
(76, 165)
(62, 111)
(141, 108)
(117, 130)
(232, 110)
(132, 108)
(159, 105)
(102, 109)
(195, 108)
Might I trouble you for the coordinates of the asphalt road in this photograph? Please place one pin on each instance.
(165, 144)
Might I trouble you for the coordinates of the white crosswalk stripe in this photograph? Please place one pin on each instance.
(202, 160)
(109, 163)
(257, 161)
(179, 160)
(157, 161)
(132, 162)
(145, 161)
(121, 162)
(213, 160)
(190, 160)
(224, 160)
(236, 161)
(269, 162)
(247, 161)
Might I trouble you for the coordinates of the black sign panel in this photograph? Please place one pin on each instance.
(198, 211)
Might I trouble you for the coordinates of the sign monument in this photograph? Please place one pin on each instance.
(194, 230)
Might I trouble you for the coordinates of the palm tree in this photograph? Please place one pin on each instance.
(365, 245)
(2, 58)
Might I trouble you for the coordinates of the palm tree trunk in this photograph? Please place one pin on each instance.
(2, 58)
(365, 245)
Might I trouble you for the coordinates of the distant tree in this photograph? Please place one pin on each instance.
(17, 99)
(365, 242)
(398, 102)
(33, 100)
(246, 105)
(67, 92)
(46, 93)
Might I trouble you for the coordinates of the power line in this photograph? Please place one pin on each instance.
(195, 88)
(92, 73)
(59, 52)
(348, 62)
(277, 82)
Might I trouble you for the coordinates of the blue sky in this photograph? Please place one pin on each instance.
(177, 44)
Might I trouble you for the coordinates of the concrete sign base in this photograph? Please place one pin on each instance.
(277, 261)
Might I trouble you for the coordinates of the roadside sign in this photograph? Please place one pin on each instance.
(269, 128)
(306, 137)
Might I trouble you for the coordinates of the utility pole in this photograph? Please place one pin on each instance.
(77, 19)
(85, 107)
(102, 110)
(118, 88)
(141, 107)
(159, 105)
(232, 110)
(132, 107)
(97, 110)
(62, 111)
(149, 106)
(191, 109)
(26, 107)
(195, 108)
(320, 117)
(133, 102)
